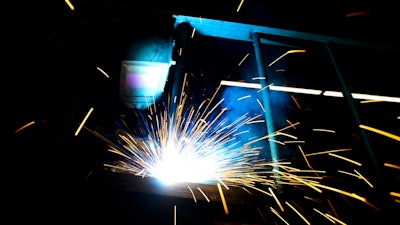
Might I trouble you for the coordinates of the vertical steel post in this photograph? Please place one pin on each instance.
(378, 175)
(267, 105)
(181, 43)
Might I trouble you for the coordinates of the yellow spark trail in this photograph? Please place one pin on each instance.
(346, 159)
(297, 212)
(83, 122)
(384, 133)
(25, 126)
(223, 199)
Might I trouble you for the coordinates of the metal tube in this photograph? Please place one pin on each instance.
(266, 103)
(378, 175)
(181, 43)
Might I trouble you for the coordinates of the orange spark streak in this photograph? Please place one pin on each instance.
(289, 122)
(311, 185)
(257, 189)
(276, 199)
(70, 5)
(359, 13)
(25, 126)
(305, 157)
(391, 165)
(333, 209)
(297, 212)
(343, 192)
(324, 215)
(285, 134)
(291, 125)
(384, 133)
(312, 199)
(267, 136)
(277, 214)
(284, 54)
(313, 171)
(362, 177)
(335, 219)
(261, 214)
(222, 198)
(346, 159)
(295, 101)
(370, 101)
(395, 194)
(244, 189)
(325, 152)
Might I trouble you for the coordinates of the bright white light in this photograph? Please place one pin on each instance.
(333, 93)
(364, 96)
(311, 91)
(184, 166)
(295, 90)
(240, 84)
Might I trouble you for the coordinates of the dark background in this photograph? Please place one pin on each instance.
(49, 59)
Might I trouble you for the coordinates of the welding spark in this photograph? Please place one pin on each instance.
(384, 133)
(72, 7)
(25, 126)
(103, 72)
(187, 143)
(83, 122)
(181, 142)
(239, 6)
